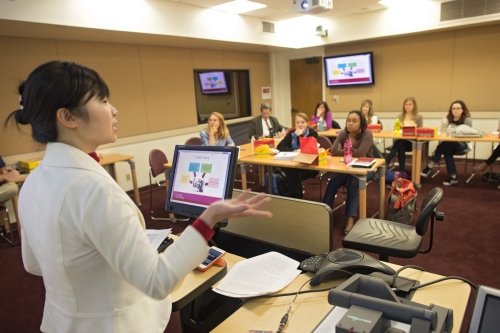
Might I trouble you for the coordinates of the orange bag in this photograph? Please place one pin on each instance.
(405, 191)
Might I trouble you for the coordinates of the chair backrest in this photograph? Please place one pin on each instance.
(335, 124)
(324, 142)
(156, 161)
(376, 152)
(194, 141)
(428, 207)
(380, 123)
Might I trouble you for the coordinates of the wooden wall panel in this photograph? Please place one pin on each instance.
(350, 97)
(418, 66)
(209, 59)
(236, 60)
(260, 76)
(476, 72)
(119, 66)
(18, 58)
(169, 87)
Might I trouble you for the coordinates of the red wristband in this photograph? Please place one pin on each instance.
(203, 229)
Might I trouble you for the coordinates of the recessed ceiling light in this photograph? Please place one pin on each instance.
(239, 6)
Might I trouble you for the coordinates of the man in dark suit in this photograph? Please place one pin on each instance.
(262, 125)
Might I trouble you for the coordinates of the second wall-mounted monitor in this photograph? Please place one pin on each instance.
(349, 70)
(213, 83)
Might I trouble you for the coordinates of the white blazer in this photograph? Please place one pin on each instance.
(85, 236)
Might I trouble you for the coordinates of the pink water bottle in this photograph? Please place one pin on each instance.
(347, 151)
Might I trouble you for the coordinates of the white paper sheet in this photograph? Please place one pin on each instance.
(157, 236)
(259, 275)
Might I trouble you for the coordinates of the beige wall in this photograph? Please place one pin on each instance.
(151, 86)
(435, 68)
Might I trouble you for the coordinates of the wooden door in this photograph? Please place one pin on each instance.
(306, 85)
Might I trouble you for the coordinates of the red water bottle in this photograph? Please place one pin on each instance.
(347, 152)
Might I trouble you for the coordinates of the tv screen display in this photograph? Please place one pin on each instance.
(213, 83)
(349, 70)
(200, 176)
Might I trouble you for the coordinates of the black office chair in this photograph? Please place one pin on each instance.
(394, 239)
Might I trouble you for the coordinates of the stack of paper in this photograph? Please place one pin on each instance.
(157, 236)
(286, 155)
(264, 274)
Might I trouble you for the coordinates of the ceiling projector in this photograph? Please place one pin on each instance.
(311, 6)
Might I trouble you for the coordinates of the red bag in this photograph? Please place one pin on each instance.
(308, 145)
(405, 191)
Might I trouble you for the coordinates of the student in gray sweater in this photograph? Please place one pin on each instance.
(458, 114)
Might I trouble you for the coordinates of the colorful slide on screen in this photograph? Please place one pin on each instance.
(349, 70)
(214, 82)
(200, 177)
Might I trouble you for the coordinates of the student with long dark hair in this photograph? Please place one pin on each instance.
(322, 111)
(362, 142)
(81, 232)
(458, 114)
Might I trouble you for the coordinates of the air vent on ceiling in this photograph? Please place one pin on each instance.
(454, 10)
(268, 27)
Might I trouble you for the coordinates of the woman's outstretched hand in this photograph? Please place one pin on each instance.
(239, 207)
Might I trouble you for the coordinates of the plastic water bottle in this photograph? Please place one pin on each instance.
(320, 124)
(444, 125)
(283, 132)
(252, 141)
(397, 127)
(347, 152)
(449, 131)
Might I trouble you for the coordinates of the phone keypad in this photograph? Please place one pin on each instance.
(312, 264)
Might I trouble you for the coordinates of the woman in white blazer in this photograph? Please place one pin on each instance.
(81, 232)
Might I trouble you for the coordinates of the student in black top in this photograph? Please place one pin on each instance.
(291, 142)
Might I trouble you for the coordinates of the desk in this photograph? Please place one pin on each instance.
(416, 147)
(310, 309)
(487, 137)
(333, 165)
(111, 159)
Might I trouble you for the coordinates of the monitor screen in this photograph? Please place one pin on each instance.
(213, 83)
(200, 175)
(486, 309)
(349, 70)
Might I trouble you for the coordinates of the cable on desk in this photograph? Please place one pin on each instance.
(393, 284)
(444, 279)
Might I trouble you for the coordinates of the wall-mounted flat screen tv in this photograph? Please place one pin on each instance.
(213, 83)
(349, 70)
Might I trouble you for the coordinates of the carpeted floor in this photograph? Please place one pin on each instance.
(465, 244)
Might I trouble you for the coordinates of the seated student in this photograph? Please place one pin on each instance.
(260, 126)
(367, 111)
(362, 142)
(84, 235)
(7, 190)
(458, 114)
(291, 142)
(409, 117)
(216, 133)
(323, 112)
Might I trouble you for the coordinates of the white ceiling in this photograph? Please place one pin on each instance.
(278, 10)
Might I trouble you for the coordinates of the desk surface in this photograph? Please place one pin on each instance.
(114, 158)
(310, 309)
(487, 137)
(384, 134)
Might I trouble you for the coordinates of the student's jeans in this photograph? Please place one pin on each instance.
(351, 184)
(447, 149)
(399, 147)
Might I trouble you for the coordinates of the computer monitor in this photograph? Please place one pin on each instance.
(485, 315)
(200, 176)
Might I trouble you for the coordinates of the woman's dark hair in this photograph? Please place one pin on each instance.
(465, 113)
(50, 87)
(363, 124)
(327, 109)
